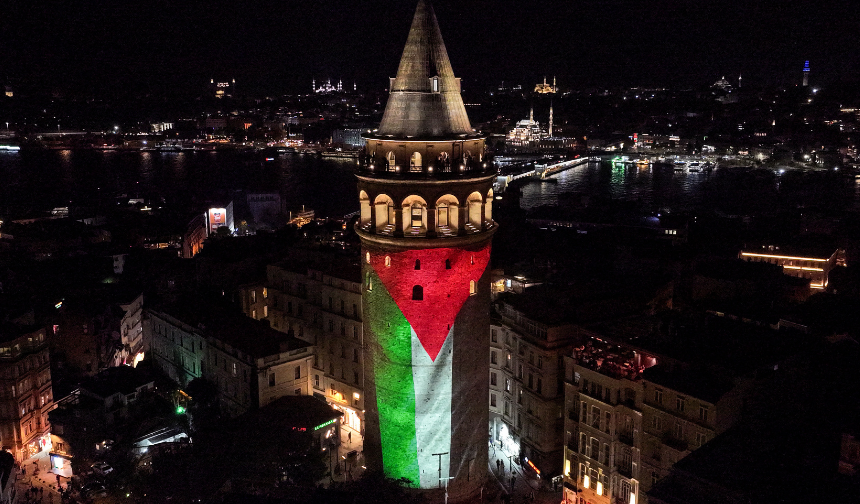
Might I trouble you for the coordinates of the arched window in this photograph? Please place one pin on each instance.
(447, 264)
(364, 210)
(473, 288)
(415, 162)
(390, 158)
(367, 257)
(384, 214)
(474, 208)
(447, 215)
(387, 261)
(418, 264)
(417, 293)
(369, 282)
(414, 215)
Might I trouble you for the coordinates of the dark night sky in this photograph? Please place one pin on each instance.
(277, 47)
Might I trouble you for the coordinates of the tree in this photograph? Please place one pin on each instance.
(203, 409)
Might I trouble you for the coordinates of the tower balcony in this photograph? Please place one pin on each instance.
(441, 232)
(439, 169)
(426, 209)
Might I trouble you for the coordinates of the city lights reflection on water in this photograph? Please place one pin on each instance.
(39, 180)
(655, 187)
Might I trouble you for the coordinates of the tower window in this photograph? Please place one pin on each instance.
(387, 260)
(367, 257)
(435, 84)
(418, 264)
(447, 264)
(473, 288)
(417, 293)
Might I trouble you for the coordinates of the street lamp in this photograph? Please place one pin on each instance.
(331, 449)
(446, 487)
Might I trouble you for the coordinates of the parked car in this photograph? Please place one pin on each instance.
(102, 468)
(93, 490)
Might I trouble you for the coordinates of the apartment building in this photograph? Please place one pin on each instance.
(643, 393)
(528, 339)
(810, 262)
(27, 396)
(603, 423)
(318, 300)
(131, 333)
(249, 363)
(682, 409)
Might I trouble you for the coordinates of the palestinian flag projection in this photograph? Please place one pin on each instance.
(415, 297)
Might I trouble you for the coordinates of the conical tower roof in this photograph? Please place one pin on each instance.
(425, 99)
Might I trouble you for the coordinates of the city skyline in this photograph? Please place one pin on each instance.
(279, 48)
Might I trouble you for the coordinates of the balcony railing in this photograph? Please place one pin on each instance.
(450, 169)
(626, 438)
(674, 443)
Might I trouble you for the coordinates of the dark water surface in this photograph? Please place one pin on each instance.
(34, 181)
(730, 190)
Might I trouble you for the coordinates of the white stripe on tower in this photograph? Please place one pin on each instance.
(433, 410)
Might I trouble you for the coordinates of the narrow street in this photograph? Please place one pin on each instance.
(527, 486)
(36, 474)
(346, 466)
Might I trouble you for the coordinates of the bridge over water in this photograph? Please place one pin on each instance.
(544, 171)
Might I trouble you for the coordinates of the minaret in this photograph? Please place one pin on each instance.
(806, 74)
(314, 85)
(425, 224)
(739, 81)
(550, 119)
(554, 87)
(532, 115)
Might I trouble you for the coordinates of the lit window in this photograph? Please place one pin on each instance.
(473, 288)
(367, 257)
(387, 261)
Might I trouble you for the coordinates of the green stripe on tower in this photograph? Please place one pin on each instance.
(395, 390)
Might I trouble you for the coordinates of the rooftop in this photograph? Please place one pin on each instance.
(122, 379)
(225, 323)
(291, 411)
(708, 341)
(418, 107)
(696, 382)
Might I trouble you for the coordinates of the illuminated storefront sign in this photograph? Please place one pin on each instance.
(320, 426)
(217, 218)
